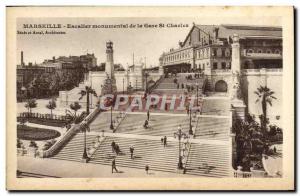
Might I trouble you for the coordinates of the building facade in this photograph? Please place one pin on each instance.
(253, 53)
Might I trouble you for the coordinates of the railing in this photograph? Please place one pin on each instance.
(252, 174)
(274, 70)
(220, 71)
(42, 116)
(242, 174)
(151, 88)
(270, 55)
(277, 70)
(53, 149)
(70, 133)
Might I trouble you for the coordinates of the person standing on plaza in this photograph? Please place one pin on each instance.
(148, 115)
(165, 141)
(147, 169)
(113, 166)
(131, 149)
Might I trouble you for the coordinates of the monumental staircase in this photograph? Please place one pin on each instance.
(146, 152)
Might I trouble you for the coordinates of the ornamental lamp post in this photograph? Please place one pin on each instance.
(123, 86)
(197, 86)
(146, 85)
(190, 129)
(180, 135)
(85, 127)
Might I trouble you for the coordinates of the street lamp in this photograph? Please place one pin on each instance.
(180, 135)
(197, 86)
(85, 127)
(146, 76)
(135, 84)
(123, 86)
(190, 130)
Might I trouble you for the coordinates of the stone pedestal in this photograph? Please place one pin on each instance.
(109, 86)
(238, 109)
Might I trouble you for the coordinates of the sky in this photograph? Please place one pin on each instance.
(143, 42)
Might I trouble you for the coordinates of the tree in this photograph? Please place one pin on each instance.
(265, 96)
(88, 90)
(31, 103)
(51, 106)
(75, 106)
(249, 141)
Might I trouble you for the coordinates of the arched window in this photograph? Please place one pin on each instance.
(259, 51)
(250, 51)
(269, 51)
(277, 51)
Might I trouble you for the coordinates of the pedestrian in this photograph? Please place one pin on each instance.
(147, 169)
(131, 149)
(146, 124)
(275, 149)
(165, 141)
(179, 128)
(113, 166)
(117, 149)
(162, 140)
(178, 86)
(148, 115)
(113, 145)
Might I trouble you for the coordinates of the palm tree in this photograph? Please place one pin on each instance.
(265, 96)
(88, 90)
(31, 103)
(75, 106)
(51, 106)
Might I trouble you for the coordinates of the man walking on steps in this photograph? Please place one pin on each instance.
(113, 166)
(131, 151)
(165, 141)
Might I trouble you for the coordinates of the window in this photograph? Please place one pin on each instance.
(250, 51)
(223, 65)
(269, 51)
(214, 52)
(223, 52)
(259, 51)
(229, 65)
(277, 51)
(215, 65)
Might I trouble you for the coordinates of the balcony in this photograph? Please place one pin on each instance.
(220, 71)
(263, 71)
(262, 55)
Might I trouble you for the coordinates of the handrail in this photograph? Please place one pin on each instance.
(151, 88)
(70, 133)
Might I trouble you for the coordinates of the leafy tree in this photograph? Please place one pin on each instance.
(31, 103)
(265, 96)
(88, 90)
(51, 106)
(75, 106)
(249, 141)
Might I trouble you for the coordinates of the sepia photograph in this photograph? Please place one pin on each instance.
(195, 101)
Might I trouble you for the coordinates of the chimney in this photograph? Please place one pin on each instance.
(216, 32)
(22, 60)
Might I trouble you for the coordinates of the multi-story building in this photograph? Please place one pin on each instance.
(257, 58)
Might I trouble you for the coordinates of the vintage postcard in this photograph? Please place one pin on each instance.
(150, 98)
